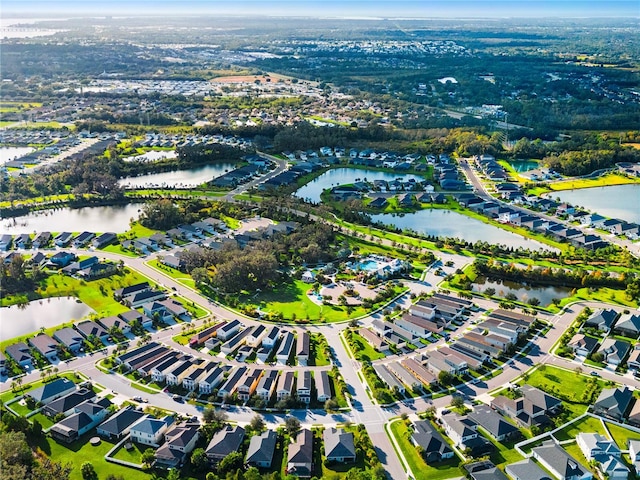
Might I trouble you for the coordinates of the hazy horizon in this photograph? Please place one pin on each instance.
(330, 8)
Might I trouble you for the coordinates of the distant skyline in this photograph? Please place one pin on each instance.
(327, 8)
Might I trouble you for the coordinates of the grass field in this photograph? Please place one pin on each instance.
(363, 350)
(505, 453)
(292, 302)
(587, 424)
(605, 180)
(81, 451)
(419, 468)
(622, 435)
(565, 384)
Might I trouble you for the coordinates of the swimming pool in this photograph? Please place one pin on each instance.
(368, 265)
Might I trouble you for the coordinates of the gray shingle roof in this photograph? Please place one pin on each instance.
(261, 448)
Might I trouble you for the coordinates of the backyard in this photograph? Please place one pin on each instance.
(420, 469)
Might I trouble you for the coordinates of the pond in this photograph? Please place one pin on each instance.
(47, 312)
(521, 291)
(93, 219)
(178, 178)
(152, 156)
(344, 176)
(523, 165)
(7, 154)
(447, 223)
(615, 201)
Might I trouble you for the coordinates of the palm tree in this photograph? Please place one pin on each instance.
(55, 371)
(42, 375)
(19, 382)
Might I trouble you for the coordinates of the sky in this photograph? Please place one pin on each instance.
(326, 8)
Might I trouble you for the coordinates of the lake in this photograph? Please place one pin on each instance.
(523, 292)
(93, 219)
(615, 201)
(152, 156)
(343, 176)
(447, 223)
(8, 154)
(178, 178)
(47, 312)
(523, 165)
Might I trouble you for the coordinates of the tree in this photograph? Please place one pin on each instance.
(148, 456)
(199, 459)
(331, 405)
(15, 456)
(160, 215)
(292, 424)
(213, 416)
(230, 463)
(457, 401)
(257, 424)
(445, 378)
(174, 474)
(88, 472)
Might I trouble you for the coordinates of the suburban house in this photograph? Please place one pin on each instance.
(226, 331)
(583, 345)
(150, 431)
(69, 338)
(339, 446)
(497, 426)
(180, 440)
(267, 385)
(303, 347)
(285, 385)
(46, 345)
(109, 323)
(143, 298)
(224, 442)
(300, 455)
(20, 353)
(614, 351)
(104, 239)
(89, 328)
(133, 316)
(261, 449)
(230, 386)
(533, 408)
(605, 453)
(614, 402)
(211, 380)
(628, 325)
(323, 385)
(85, 417)
(463, 431)
(119, 425)
(484, 470)
(526, 470)
(286, 347)
(303, 390)
(555, 459)
(388, 378)
(603, 319)
(433, 447)
(66, 404)
(271, 337)
(248, 384)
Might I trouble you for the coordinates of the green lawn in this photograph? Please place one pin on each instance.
(45, 421)
(587, 424)
(177, 275)
(565, 384)
(81, 451)
(134, 455)
(292, 302)
(10, 395)
(505, 454)
(319, 346)
(622, 435)
(574, 450)
(419, 468)
(363, 350)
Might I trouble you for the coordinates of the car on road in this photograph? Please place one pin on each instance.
(137, 399)
(594, 374)
(178, 398)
